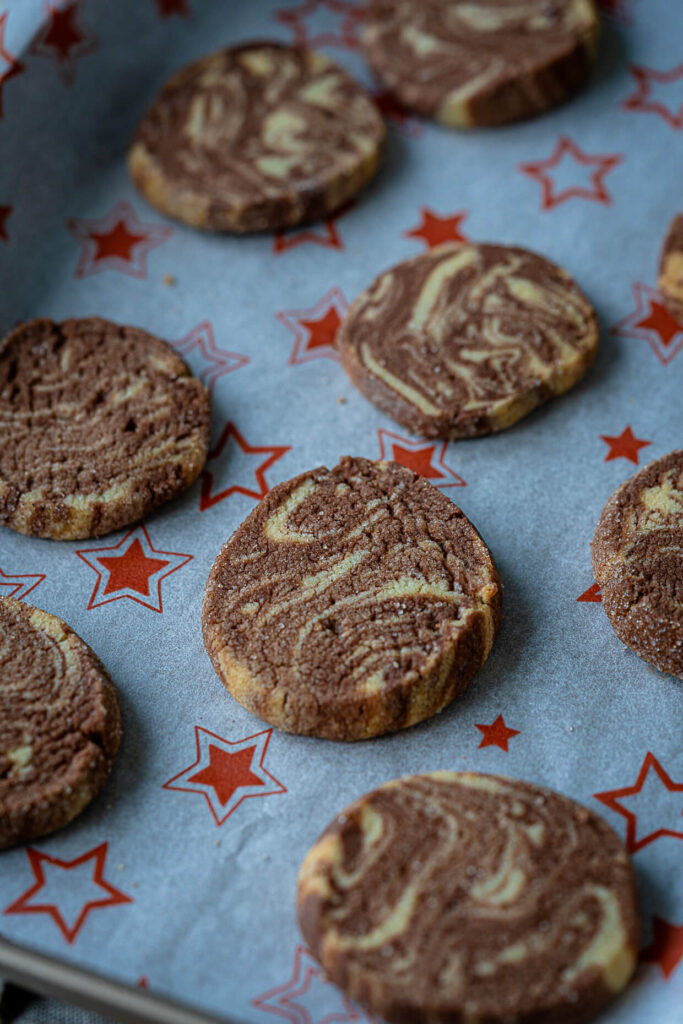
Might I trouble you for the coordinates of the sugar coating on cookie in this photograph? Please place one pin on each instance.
(466, 897)
(60, 723)
(671, 268)
(99, 424)
(351, 602)
(257, 137)
(481, 62)
(466, 339)
(638, 562)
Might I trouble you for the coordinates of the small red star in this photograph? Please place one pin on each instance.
(301, 999)
(238, 446)
(86, 878)
(201, 339)
(4, 217)
(625, 446)
(118, 241)
(496, 735)
(19, 585)
(11, 65)
(63, 39)
(653, 786)
(643, 101)
(310, 23)
(391, 110)
(652, 322)
(315, 329)
(666, 948)
(434, 230)
(565, 148)
(168, 8)
(592, 595)
(326, 235)
(420, 456)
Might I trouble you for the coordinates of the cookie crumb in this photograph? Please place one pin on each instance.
(170, 280)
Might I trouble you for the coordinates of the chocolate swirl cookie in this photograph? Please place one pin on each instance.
(638, 562)
(257, 137)
(481, 62)
(60, 724)
(99, 424)
(671, 268)
(466, 339)
(351, 602)
(454, 898)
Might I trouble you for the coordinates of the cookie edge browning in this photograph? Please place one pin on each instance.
(88, 772)
(670, 274)
(314, 891)
(442, 679)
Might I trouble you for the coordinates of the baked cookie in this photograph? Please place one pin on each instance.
(351, 602)
(60, 724)
(671, 268)
(466, 339)
(99, 424)
(638, 562)
(482, 62)
(456, 897)
(257, 138)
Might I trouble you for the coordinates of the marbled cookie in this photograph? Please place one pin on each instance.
(453, 898)
(466, 339)
(351, 602)
(60, 724)
(671, 268)
(99, 424)
(257, 137)
(482, 62)
(638, 562)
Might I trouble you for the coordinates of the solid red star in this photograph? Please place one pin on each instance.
(19, 585)
(661, 321)
(201, 338)
(592, 595)
(300, 999)
(322, 332)
(11, 64)
(496, 735)
(228, 772)
(131, 570)
(63, 39)
(566, 148)
(4, 217)
(231, 433)
(611, 797)
(420, 456)
(315, 329)
(26, 904)
(309, 22)
(420, 461)
(652, 322)
(434, 230)
(118, 241)
(642, 100)
(625, 446)
(666, 948)
(167, 8)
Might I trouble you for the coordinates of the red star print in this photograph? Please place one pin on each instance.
(496, 735)
(4, 216)
(130, 569)
(63, 39)
(326, 235)
(654, 805)
(11, 65)
(565, 148)
(308, 997)
(420, 456)
(309, 23)
(167, 8)
(60, 894)
(434, 230)
(229, 772)
(625, 446)
(642, 99)
(666, 948)
(391, 110)
(315, 329)
(201, 339)
(118, 241)
(231, 434)
(592, 595)
(18, 586)
(652, 321)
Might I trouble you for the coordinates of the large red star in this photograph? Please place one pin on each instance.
(565, 149)
(591, 596)
(652, 322)
(238, 445)
(666, 948)
(420, 456)
(48, 880)
(4, 217)
(308, 997)
(315, 329)
(625, 446)
(655, 785)
(310, 22)
(63, 39)
(201, 339)
(118, 241)
(19, 585)
(496, 735)
(168, 8)
(131, 570)
(643, 100)
(325, 234)
(8, 61)
(434, 230)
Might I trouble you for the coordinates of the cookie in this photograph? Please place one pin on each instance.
(466, 339)
(257, 138)
(351, 602)
(99, 424)
(459, 898)
(638, 562)
(482, 62)
(671, 268)
(60, 723)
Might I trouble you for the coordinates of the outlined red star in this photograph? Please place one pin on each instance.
(169, 8)
(315, 329)
(666, 948)
(625, 446)
(227, 772)
(496, 735)
(591, 596)
(391, 110)
(117, 241)
(568, 156)
(649, 97)
(64, 39)
(657, 799)
(9, 65)
(237, 461)
(65, 896)
(325, 234)
(435, 229)
(308, 997)
(18, 585)
(652, 322)
(201, 339)
(426, 458)
(4, 217)
(309, 23)
(132, 569)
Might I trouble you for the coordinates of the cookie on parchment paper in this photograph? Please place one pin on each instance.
(449, 898)
(257, 137)
(638, 562)
(466, 339)
(482, 62)
(99, 424)
(671, 268)
(351, 602)
(60, 723)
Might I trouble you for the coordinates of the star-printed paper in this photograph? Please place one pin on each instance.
(118, 241)
(658, 92)
(652, 321)
(315, 329)
(652, 806)
(570, 173)
(624, 446)
(208, 360)
(9, 64)
(307, 997)
(234, 466)
(19, 585)
(426, 458)
(64, 38)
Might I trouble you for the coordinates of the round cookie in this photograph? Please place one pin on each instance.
(638, 562)
(351, 602)
(482, 62)
(671, 268)
(99, 424)
(466, 339)
(449, 897)
(60, 723)
(257, 137)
